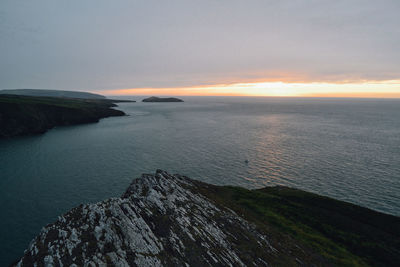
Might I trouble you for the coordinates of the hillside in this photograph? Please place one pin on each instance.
(171, 220)
(52, 93)
(21, 115)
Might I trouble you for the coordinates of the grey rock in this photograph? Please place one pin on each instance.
(159, 221)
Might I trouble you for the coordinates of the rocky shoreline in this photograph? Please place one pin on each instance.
(156, 222)
(171, 220)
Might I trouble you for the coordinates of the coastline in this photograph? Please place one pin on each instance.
(25, 115)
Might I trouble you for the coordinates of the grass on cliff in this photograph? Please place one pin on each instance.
(343, 233)
(21, 115)
(55, 101)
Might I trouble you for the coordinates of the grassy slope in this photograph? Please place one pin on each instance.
(343, 233)
(54, 101)
(26, 114)
(51, 93)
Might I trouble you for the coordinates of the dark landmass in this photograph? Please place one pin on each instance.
(52, 93)
(171, 220)
(162, 99)
(21, 115)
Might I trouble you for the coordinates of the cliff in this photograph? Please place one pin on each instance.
(171, 220)
(21, 115)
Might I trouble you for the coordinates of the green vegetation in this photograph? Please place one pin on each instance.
(52, 93)
(21, 115)
(55, 101)
(342, 233)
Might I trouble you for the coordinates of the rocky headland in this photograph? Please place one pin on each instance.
(171, 220)
(162, 99)
(22, 115)
(52, 93)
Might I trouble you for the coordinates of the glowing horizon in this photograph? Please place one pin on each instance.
(371, 89)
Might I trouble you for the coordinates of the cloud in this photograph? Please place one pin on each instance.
(101, 44)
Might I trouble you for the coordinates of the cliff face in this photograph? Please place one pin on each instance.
(21, 115)
(171, 220)
(159, 220)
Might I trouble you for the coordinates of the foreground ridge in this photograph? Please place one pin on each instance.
(158, 221)
(172, 220)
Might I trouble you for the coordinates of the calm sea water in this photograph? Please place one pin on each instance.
(348, 149)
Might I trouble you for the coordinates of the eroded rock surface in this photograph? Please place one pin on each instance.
(160, 220)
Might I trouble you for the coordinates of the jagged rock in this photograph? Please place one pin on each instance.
(171, 220)
(158, 221)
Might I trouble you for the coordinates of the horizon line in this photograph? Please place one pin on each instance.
(372, 89)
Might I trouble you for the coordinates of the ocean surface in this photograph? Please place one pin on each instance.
(348, 149)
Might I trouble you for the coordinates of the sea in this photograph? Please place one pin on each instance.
(344, 148)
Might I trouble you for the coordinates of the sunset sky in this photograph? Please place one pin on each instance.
(268, 48)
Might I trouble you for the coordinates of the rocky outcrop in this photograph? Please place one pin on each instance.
(171, 220)
(160, 220)
(162, 99)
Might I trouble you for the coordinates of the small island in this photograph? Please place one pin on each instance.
(162, 99)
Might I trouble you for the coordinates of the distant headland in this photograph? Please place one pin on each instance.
(51, 93)
(162, 99)
(34, 111)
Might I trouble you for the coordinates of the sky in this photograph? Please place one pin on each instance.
(273, 48)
